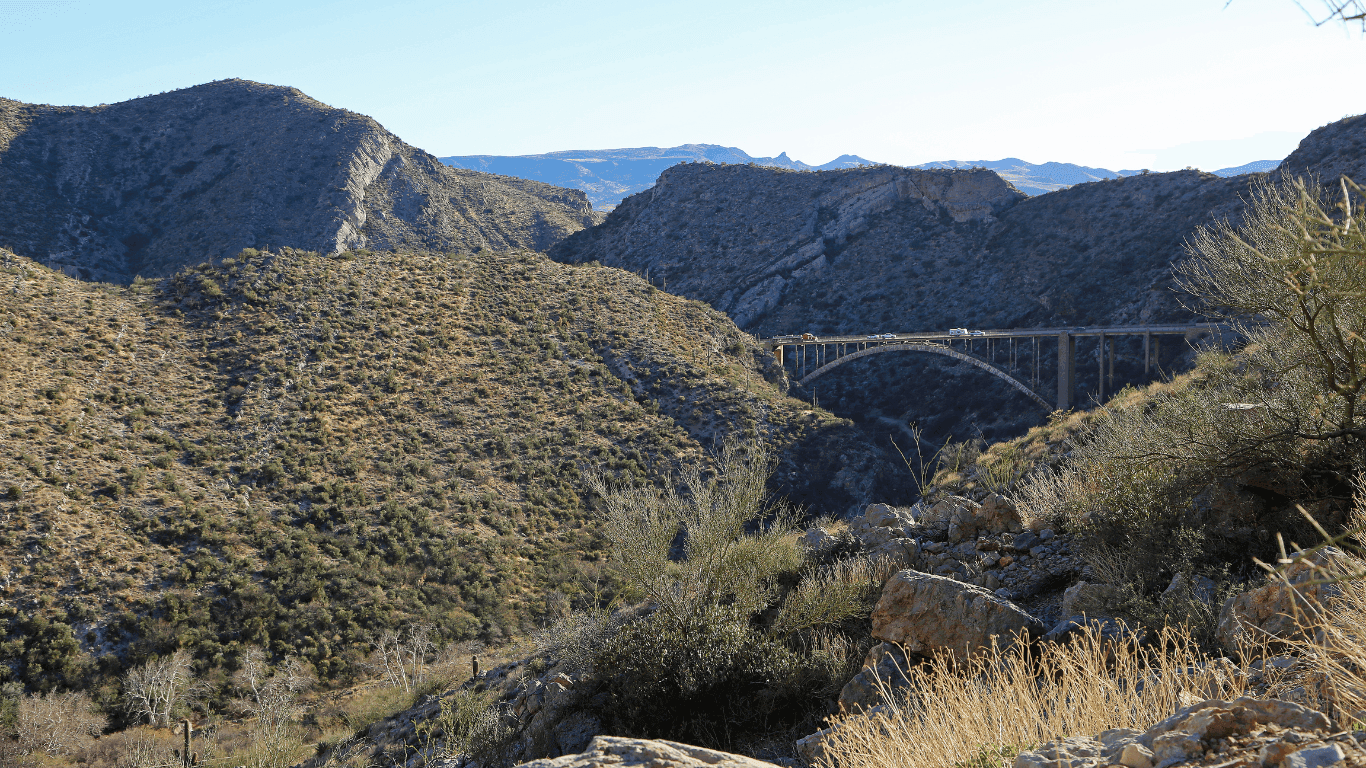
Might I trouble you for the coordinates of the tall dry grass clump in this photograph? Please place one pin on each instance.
(1332, 637)
(984, 711)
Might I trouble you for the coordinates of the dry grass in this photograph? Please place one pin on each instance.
(983, 712)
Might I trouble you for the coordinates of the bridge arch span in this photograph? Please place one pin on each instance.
(937, 349)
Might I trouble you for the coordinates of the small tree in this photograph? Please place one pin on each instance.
(155, 689)
(57, 723)
(403, 655)
(1298, 263)
(273, 699)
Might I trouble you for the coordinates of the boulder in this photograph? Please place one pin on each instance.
(884, 670)
(947, 508)
(1088, 599)
(647, 753)
(882, 516)
(999, 515)
(1112, 630)
(817, 540)
(1268, 612)
(1197, 588)
(925, 614)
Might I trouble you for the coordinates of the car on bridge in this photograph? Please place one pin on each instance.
(958, 331)
(977, 333)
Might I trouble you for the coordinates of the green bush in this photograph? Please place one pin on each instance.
(746, 637)
(708, 679)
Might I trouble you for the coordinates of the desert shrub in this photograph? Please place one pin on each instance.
(1280, 416)
(744, 637)
(468, 725)
(572, 641)
(704, 679)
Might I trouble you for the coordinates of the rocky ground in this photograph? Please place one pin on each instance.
(975, 576)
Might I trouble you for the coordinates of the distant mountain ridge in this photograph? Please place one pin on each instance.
(609, 175)
(1041, 178)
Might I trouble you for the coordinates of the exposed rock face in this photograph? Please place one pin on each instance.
(1268, 612)
(1241, 732)
(754, 241)
(647, 753)
(149, 185)
(926, 613)
(880, 249)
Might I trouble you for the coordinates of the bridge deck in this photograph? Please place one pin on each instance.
(1118, 330)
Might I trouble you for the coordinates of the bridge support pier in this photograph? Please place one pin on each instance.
(1067, 375)
(1100, 372)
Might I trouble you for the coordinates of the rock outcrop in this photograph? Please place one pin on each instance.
(884, 671)
(927, 614)
(647, 753)
(150, 185)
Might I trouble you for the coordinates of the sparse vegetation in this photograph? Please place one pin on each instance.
(747, 638)
(332, 449)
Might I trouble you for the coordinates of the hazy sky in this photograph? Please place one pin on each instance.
(1160, 84)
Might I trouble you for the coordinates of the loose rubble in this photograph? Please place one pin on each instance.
(1230, 734)
(985, 544)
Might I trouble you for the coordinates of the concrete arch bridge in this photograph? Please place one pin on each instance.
(811, 357)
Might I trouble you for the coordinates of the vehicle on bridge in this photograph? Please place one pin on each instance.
(809, 337)
(977, 333)
(958, 331)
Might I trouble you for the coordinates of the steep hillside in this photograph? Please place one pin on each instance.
(881, 249)
(300, 451)
(608, 175)
(136, 188)
(1335, 150)
(872, 250)
(900, 249)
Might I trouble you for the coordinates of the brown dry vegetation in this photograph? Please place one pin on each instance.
(299, 451)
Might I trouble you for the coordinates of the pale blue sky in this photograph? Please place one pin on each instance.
(1159, 83)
